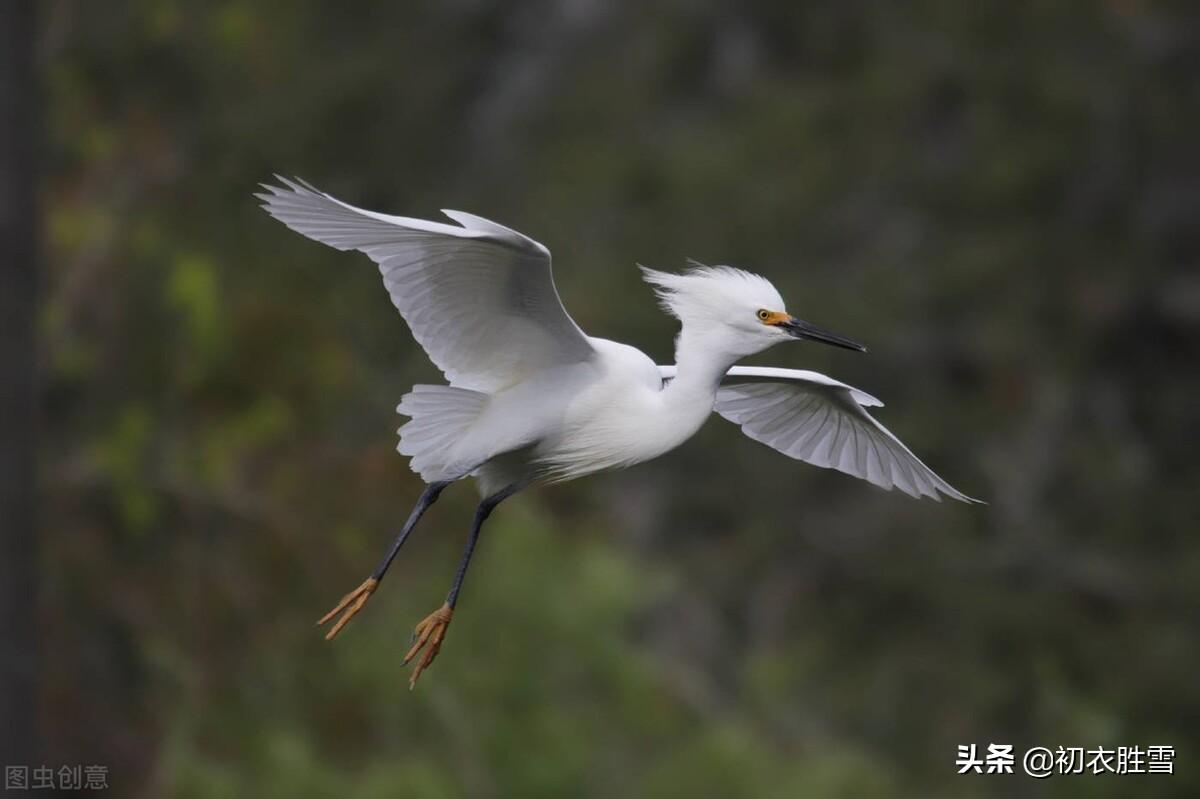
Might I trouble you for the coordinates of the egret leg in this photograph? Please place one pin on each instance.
(431, 631)
(354, 601)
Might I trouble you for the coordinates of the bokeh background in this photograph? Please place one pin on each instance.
(1001, 199)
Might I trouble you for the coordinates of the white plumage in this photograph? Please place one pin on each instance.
(530, 390)
(532, 398)
(479, 298)
(813, 418)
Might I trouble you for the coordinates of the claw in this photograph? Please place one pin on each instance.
(428, 635)
(351, 603)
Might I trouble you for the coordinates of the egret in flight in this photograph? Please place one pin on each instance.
(531, 398)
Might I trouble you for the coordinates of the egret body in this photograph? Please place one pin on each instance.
(531, 398)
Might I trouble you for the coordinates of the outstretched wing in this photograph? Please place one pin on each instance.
(816, 419)
(480, 298)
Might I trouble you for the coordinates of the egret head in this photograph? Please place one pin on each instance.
(744, 308)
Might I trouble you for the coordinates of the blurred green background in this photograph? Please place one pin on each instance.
(1002, 200)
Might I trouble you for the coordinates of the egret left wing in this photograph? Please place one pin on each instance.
(479, 297)
(819, 420)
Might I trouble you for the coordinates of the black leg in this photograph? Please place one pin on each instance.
(481, 513)
(353, 602)
(432, 630)
(428, 497)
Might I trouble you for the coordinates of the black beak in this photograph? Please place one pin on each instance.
(801, 329)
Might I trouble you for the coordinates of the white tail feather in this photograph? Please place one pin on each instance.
(440, 417)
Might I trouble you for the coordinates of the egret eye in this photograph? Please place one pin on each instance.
(763, 315)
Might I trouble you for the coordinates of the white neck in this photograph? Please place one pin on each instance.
(701, 360)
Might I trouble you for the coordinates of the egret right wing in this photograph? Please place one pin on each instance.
(480, 298)
(816, 419)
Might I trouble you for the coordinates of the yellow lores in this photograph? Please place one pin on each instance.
(772, 317)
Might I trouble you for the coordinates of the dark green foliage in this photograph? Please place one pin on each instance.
(1001, 200)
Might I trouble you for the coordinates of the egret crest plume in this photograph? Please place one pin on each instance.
(701, 291)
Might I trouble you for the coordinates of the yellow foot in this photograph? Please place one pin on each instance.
(429, 632)
(352, 603)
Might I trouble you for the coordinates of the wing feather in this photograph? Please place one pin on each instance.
(479, 297)
(816, 419)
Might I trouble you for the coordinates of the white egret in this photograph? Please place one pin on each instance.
(532, 398)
